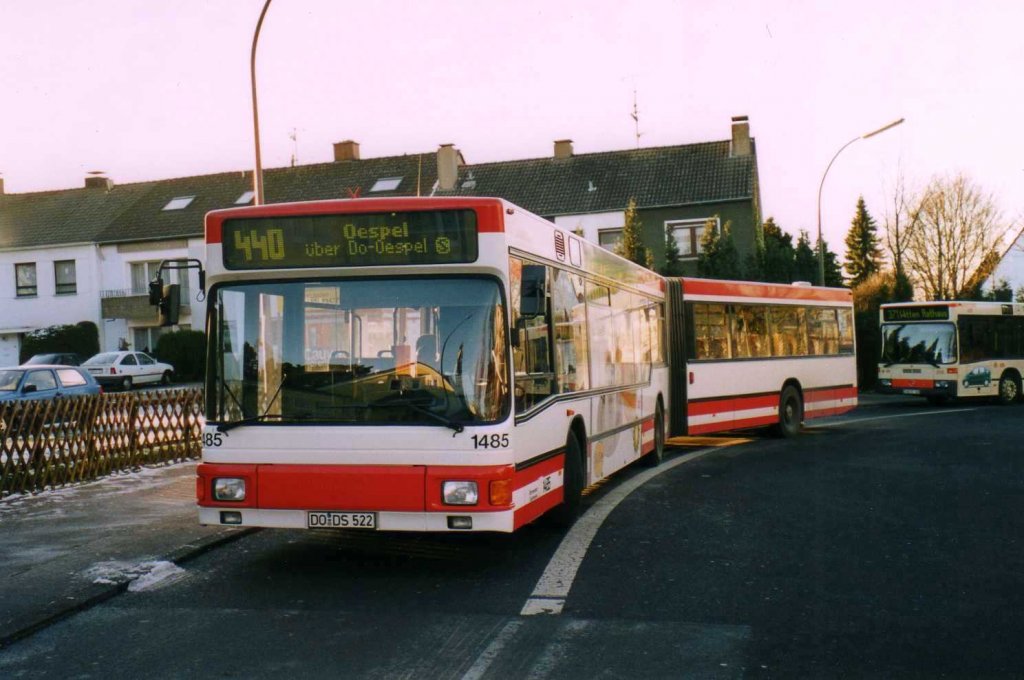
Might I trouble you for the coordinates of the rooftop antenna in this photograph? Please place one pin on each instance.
(294, 136)
(636, 119)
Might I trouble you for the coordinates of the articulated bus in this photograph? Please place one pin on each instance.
(756, 354)
(458, 364)
(946, 350)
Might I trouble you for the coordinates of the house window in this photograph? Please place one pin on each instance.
(145, 339)
(245, 198)
(142, 274)
(688, 234)
(25, 279)
(609, 239)
(64, 276)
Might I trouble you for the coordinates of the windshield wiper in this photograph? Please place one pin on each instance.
(266, 415)
(413, 406)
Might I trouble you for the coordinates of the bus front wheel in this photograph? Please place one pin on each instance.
(791, 412)
(1009, 388)
(572, 485)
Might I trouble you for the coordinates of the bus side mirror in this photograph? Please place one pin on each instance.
(169, 305)
(532, 293)
(156, 291)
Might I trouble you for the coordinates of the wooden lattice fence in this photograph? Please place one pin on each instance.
(52, 443)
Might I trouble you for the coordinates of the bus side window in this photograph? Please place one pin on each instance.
(569, 316)
(531, 337)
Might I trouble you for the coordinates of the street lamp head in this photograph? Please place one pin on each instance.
(884, 128)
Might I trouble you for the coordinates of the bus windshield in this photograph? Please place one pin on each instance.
(918, 343)
(416, 351)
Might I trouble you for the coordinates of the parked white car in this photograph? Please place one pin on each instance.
(126, 369)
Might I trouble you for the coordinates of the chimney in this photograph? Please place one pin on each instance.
(563, 148)
(740, 136)
(346, 151)
(448, 161)
(96, 180)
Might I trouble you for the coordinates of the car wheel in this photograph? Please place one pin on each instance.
(791, 412)
(126, 383)
(165, 379)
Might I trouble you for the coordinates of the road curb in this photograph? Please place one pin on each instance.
(178, 556)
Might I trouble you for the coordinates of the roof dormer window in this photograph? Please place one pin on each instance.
(244, 199)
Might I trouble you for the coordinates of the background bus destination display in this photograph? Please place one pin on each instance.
(399, 238)
(930, 313)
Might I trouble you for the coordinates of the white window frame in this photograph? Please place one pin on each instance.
(695, 230)
(617, 231)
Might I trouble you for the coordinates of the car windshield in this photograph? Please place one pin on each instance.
(105, 358)
(918, 343)
(9, 380)
(41, 359)
(409, 351)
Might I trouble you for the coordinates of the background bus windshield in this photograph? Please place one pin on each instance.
(918, 343)
(405, 351)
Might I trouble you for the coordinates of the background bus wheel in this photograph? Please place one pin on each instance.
(572, 486)
(791, 412)
(654, 458)
(1009, 388)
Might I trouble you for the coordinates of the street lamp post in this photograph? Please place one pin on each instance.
(821, 241)
(257, 175)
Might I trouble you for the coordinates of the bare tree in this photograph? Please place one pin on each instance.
(954, 227)
(897, 234)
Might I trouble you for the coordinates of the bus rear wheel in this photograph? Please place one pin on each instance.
(654, 458)
(572, 485)
(1009, 388)
(791, 412)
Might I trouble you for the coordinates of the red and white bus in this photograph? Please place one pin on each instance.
(946, 350)
(420, 364)
(755, 354)
(456, 364)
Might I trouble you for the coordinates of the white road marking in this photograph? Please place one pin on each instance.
(487, 657)
(903, 415)
(552, 588)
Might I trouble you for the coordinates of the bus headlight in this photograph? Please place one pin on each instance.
(459, 493)
(942, 384)
(885, 382)
(229, 489)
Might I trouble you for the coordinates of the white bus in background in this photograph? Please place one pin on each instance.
(945, 350)
(420, 364)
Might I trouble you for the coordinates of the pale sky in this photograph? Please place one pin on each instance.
(153, 90)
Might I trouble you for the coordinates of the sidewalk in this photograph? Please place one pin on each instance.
(64, 550)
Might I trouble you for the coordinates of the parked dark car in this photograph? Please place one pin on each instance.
(45, 382)
(54, 359)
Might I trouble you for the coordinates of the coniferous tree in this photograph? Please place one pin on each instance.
(778, 260)
(863, 254)
(719, 258)
(833, 270)
(632, 247)
(805, 259)
(673, 258)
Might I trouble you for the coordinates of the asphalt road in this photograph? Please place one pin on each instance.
(885, 543)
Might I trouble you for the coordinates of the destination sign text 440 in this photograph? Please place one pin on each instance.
(345, 240)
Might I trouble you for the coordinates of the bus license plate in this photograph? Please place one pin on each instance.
(341, 520)
(911, 391)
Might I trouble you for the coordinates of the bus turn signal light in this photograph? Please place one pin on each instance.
(501, 492)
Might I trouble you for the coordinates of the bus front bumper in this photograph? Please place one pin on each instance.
(921, 388)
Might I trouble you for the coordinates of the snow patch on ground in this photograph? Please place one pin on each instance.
(140, 576)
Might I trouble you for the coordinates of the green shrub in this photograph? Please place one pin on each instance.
(186, 351)
(82, 338)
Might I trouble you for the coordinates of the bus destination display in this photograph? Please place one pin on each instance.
(380, 239)
(929, 313)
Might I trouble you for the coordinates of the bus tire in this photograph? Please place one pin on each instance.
(1009, 388)
(791, 412)
(657, 455)
(572, 486)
